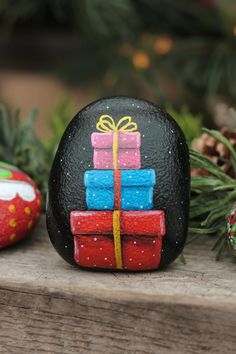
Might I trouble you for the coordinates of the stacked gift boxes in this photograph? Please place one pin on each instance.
(119, 230)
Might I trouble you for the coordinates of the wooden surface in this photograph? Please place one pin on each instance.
(48, 306)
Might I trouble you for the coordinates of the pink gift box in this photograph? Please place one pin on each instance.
(128, 150)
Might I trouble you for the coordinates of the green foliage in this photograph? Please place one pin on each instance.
(20, 146)
(94, 17)
(200, 60)
(189, 123)
(107, 18)
(58, 121)
(206, 65)
(212, 196)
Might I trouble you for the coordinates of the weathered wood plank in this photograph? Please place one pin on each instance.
(47, 306)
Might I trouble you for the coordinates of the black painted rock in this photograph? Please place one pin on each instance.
(119, 187)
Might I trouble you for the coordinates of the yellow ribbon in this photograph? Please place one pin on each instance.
(107, 124)
(117, 240)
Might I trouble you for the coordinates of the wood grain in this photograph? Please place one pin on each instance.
(47, 306)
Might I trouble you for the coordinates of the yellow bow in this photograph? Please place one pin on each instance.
(107, 124)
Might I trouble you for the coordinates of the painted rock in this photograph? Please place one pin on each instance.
(20, 202)
(119, 187)
(231, 228)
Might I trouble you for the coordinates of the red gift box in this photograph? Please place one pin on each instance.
(141, 235)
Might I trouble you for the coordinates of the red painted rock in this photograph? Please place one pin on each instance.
(20, 202)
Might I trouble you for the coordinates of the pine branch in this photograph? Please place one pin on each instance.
(20, 146)
(212, 198)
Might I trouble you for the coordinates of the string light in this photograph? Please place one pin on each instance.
(163, 45)
(141, 60)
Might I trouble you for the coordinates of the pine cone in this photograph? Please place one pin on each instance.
(215, 151)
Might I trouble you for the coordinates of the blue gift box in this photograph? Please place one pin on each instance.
(136, 189)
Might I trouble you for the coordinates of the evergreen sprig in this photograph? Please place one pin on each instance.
(212, 196)
(20, 146)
